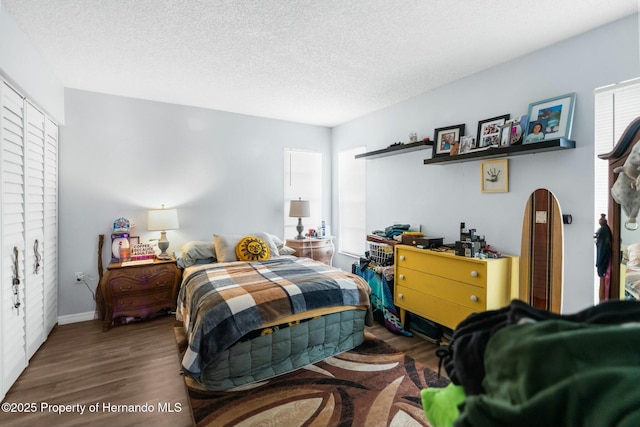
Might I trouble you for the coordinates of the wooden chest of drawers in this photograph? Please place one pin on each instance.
(446, 288)
(139, 290)
(319, 249)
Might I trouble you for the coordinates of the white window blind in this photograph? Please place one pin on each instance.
(352, 202)
(615, 107)
(302, 179)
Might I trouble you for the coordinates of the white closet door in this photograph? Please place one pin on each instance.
(50, 246)
(34, 227)
(13, 358)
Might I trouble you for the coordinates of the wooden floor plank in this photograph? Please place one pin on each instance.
(134, 364)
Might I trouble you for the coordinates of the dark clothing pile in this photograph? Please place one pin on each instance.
(528, 367)
(392, 231)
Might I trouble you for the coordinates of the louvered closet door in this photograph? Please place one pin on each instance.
(50, 245)
(13, 358)
(34, 228)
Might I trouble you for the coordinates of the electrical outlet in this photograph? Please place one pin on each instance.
(79, 276)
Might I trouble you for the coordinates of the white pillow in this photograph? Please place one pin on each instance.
(286, 250)
(271, 241)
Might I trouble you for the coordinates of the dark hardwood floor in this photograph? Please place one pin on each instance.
(134, 364)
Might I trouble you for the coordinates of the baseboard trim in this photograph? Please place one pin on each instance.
(75, 318)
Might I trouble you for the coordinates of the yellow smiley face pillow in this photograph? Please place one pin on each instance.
(252, 248)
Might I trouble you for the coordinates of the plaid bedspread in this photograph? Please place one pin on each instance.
(220, 303)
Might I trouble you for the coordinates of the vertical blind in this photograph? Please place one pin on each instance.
(352, 202)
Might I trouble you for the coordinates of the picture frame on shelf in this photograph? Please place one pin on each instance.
(517, 131)
(494, 176)
(467, 143)
(505, 133)
(551, 118)
(445, 138)
(489, 131)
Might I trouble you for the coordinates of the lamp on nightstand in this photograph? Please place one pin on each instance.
(163, 220)
(299, 209)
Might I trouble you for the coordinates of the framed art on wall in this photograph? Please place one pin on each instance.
(446, 138)
(489, 131)
(550, 119)
(494, 176)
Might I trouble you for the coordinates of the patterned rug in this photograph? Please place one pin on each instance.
(371, 385)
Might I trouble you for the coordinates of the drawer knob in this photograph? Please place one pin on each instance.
(474, 298)
(474, 274)
(401, 257)
(400, 296)
(401, 277)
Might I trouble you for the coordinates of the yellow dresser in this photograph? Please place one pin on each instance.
(446, 288)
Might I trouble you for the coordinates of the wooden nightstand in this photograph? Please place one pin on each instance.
(319, 249)
(139, 290)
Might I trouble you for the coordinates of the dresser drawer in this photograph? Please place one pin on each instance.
(144, 273)
(160, 300)
(462, 269)
(144, 281)
(431, 307)
(460, 293)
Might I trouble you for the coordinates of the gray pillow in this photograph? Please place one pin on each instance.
(196, 252)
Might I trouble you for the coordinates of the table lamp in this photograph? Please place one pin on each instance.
(299, 209)
(163, 220)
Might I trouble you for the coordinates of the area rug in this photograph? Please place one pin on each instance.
(371, 385)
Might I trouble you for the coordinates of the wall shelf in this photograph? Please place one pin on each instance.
(513, 150)
(395, 149)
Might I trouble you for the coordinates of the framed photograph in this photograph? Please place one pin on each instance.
(467, 143)
(550, 119)
(446, 138)
(494, 176)
(489, 131)
(505, 133)
(134, 240)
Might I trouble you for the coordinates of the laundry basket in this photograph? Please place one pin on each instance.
(380, 253)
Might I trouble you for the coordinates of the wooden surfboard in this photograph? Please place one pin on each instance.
(541, 266)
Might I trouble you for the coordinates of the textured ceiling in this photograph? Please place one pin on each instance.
(318, 62)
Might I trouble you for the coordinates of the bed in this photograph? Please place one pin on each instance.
(248, 321)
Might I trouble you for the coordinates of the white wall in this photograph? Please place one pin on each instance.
(402, 189)
(25, 68)
(121, 156)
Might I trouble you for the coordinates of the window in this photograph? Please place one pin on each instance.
(352, 202)
(302, 179)
(615, 107)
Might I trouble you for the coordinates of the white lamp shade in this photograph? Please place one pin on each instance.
(299, 209)
(162, 220)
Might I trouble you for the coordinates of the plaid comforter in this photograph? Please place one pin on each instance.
(220, 303)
